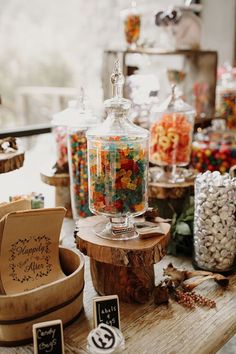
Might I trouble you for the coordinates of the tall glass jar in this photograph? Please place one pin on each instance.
(171, 137)
(118, 167)
(214, 222)
(60, 122)
(132, 24)
(226, 98)
(77, 156)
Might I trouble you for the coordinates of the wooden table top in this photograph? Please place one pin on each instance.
(165, 329)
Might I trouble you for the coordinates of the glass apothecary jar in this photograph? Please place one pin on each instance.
(171, 137)
(60, 122)
(214, 222)
(226, 97)
(214, 148)
(118, 167)
(77, 156)
(132, 24)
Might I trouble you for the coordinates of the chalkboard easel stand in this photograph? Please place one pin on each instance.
(125, 268)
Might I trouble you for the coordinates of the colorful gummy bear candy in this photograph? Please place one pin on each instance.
(213, 156)
(132, 28)
(118, 177)
(77, 144)
(171, 139)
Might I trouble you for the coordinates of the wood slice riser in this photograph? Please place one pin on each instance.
(130, 284)
(12, 163)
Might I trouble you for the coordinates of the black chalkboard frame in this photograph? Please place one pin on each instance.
(100, 301)
(55, 324)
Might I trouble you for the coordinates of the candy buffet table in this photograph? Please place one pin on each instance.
(151, 329)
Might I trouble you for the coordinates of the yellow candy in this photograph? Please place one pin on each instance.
(174, 137)
(139, 207)
(125, 181)
(131, 186)
(164, 142)
(160, 130)
(118, 165)
(208, 152)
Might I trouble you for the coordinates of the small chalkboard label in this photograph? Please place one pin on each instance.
(106, 310)
(48, 337)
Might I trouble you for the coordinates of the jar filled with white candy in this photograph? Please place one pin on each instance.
(214, 222)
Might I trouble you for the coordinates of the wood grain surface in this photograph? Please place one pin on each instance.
(133, 253)
(159, 330)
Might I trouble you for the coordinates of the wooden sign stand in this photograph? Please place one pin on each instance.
(125, 268)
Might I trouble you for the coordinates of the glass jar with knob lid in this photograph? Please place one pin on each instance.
(118, 167)
(171, 137)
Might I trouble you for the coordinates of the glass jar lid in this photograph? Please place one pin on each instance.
(174, 103)
(77, 114)
(117, 108)
(217, 132)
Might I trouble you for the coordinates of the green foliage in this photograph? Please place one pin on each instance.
(182, 230)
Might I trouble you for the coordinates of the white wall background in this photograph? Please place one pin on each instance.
(218, 31)
(60, 42)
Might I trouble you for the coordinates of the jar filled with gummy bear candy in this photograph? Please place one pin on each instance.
(171, 137)
(77, 156)
(118, 167)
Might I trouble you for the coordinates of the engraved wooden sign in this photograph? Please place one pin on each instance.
(29, 250)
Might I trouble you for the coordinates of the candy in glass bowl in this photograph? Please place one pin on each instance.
(118, 167)
(171, 137)
(214, 148)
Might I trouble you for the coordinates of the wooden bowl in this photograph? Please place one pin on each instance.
(62, 299)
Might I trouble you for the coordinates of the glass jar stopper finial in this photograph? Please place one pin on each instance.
(117, 80)
(82, 99)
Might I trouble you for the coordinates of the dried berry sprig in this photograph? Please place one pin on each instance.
(184, 299)
(201, 300)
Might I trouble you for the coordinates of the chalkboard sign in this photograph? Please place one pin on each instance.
(106, 310)
(48, 337)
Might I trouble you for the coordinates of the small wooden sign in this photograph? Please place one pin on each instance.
(106, 310)
(48, 337)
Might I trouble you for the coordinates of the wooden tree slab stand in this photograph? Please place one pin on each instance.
(61, 182)
(11, 161)
(125, 268)
(167, 190)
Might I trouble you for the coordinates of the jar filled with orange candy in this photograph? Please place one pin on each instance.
(132, 24)
(171, 137)
(118, 167)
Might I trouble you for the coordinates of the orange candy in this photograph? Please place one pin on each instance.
(171, 139)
